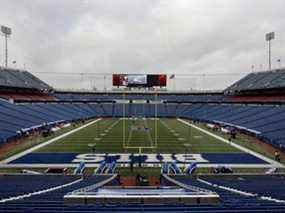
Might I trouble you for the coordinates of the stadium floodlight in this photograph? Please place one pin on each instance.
(268, 37)
(7, 32)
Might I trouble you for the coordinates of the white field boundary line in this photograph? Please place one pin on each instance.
(19, 197)
(268, 160)
(21, 154)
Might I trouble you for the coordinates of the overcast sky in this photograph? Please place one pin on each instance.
(210, 42)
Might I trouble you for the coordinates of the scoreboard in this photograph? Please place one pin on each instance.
(139, 80)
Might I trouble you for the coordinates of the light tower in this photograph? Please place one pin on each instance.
(7, 32)
(268, 37)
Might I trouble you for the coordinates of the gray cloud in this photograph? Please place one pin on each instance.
(196, 39)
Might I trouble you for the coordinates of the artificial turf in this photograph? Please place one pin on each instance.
(155, 135)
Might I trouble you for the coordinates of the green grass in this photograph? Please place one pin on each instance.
(172, 136)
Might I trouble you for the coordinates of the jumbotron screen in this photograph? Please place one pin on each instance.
(139, 80)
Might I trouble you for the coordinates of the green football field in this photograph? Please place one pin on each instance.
(112, 135)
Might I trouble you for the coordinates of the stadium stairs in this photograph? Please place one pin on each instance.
(226, 186)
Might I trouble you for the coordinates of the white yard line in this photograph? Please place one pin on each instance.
(21, 154)
(113, 124)
(272, 162)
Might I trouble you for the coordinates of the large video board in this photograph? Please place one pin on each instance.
(139, 80)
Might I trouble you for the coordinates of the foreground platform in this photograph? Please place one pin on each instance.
(144, 195)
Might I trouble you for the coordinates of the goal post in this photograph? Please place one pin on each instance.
(140, 124)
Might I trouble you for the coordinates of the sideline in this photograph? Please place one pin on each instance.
(21, 154)
(270, 161)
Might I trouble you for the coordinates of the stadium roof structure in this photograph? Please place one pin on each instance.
(11, 78)
(265, 80)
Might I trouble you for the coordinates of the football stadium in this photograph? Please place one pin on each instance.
(141, 141)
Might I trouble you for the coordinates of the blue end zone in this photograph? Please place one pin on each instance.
(46, 158)
(66, 158)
